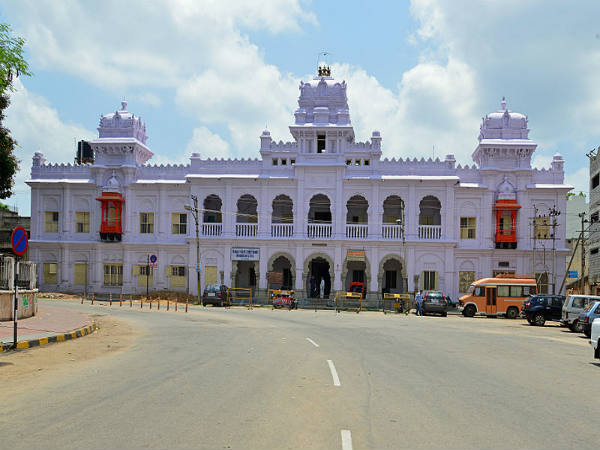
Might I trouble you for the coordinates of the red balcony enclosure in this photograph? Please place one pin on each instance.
(112, 206)
(506, 223)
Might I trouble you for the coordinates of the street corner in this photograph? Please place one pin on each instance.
(60, 337)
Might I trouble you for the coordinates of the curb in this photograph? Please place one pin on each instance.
(51, 339)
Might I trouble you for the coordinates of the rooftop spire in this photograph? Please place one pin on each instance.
(503, 103)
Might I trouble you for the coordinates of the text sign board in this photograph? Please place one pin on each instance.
(356, 255)
(275, 277)
(19, 241)
(245, 254)
(573, 274)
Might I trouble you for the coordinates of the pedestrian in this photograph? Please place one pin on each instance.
(313, 287)
(322, 287)
(419, 302)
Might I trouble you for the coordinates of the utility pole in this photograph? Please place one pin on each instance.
(554, 213)
(582, 281)
(195, 214)
(535, 210)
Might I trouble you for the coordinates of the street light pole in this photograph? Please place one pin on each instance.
(194, 210)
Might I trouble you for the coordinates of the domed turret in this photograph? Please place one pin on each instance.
(121, 124)
(504, 124)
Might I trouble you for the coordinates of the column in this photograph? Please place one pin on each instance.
(228, 208)
(412, 214)
(339, 207)
(337, 269)
(411, 269)
(374, 262)
(227, 265)
(450, 221)
(262, 268)
(265, 210)
(300, 218)
(300, 282)
(375, 212)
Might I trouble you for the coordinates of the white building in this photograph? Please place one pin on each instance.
(322, 205)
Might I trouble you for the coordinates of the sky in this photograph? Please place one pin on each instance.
(209, 75)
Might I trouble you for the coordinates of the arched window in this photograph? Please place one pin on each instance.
(247, 209)
(212, 209)
(357, 210)
(393, 210)
(282, 210)
(430, 208)
(320, 209)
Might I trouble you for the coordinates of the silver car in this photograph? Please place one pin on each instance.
(572, 307)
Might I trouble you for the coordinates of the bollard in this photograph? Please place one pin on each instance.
(186, 305)
(158, 308)
(141, 303)
(93, 295)
(120, 299)
(110, 299)
(168, 304)
(130, 301)
(82, 299)
(150, 304)
(176, 301)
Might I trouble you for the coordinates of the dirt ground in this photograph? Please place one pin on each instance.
(20, 369)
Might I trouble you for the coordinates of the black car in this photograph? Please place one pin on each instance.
(542, 307)
(435, 303)
(214, 294)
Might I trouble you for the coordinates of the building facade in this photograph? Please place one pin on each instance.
(593, 251)
(323, 206)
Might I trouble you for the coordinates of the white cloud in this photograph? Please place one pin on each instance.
(149, 98)
(36, 126)
(208, 144)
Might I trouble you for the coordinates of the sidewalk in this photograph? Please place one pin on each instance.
(47, 326)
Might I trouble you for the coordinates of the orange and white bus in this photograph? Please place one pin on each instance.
(502, 295)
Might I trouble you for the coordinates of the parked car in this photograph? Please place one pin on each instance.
(214, 294)
(573, 306)
(587, 317)
(595, 338)
(435, 302)
(543, 307)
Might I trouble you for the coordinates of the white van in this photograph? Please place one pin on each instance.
(595, 338)
(573, 305)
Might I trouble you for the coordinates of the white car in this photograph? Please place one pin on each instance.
(595, 338)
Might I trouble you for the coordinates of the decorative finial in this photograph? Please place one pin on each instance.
(503, 104)
(123, 105)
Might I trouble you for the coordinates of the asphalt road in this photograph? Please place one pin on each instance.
(235, 378)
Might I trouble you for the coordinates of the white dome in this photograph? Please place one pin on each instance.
(122, 123)
(504, 124)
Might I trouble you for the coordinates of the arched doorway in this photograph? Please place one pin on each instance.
(318, 268)
(283, 265)
(392, 275)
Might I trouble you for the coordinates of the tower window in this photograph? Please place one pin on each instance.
(321, 143)
(367, 162)
(274, 161)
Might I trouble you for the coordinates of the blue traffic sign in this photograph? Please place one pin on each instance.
(19, 241)
(153, 259)
(573, 274)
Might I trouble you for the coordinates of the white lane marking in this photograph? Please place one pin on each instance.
(336, 379)
(346, 440)
(312, 342)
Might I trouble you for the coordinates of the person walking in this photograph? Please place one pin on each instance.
(419, 302)
(313, 287)
(322, 287)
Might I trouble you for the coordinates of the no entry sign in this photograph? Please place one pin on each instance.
(19, 241)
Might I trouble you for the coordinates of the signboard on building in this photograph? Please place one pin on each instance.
(275, 277)
(356, 255)
(573, 274)
(245, 254)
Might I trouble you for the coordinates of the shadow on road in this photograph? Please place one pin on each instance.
(5, 364)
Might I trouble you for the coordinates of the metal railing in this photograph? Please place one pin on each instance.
(319, 230)
(392, 231)
(212, 229)
(7, 274)
(246, 229)
(26, 278)
(357, 231)
(282, 230)
(430, 231)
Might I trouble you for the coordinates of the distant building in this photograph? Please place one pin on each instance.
(576, 204)
(8, 221)
(323, 206)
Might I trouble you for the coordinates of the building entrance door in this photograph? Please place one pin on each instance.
(319, 268)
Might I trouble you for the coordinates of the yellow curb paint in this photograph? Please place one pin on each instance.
(60, 338)
(23, 344)
(73, 334)
(43, 341)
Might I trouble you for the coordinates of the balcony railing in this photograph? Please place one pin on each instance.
(282, 230)
(392, 231)
(246, 229)
(430, 231)
(319, 230)
(212, 229)
(356, 231)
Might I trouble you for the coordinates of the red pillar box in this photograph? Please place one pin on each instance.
(506, 223)
(112, 207)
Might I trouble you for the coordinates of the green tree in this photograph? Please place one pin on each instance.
(12, 65)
